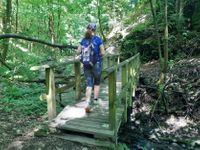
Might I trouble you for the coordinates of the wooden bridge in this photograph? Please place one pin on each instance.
(100, 127)
(117, 92)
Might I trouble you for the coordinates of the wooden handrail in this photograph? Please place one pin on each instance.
(129, 71)
(111, 69)
(128, 67)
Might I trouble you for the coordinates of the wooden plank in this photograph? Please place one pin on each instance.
(112, 98)
(92, 122)
(120, 117)
(77, 70)
(88, 124)
(124, 82)
(111, 69)
(97, 119)
(42, 67)
(93, 131)
(87, 141)
(51, 99)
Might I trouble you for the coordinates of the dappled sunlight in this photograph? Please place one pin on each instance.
(118, 29)
(21, 48)
(16, 145)
(118, 86)
(176, 123)
(68, 59)
(74, 112)
(18, 77)
(69, 113)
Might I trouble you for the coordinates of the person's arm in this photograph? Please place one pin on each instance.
(78, 51)
(102, 50)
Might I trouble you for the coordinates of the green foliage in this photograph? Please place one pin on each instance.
(122, 146)
(140, 40)
(24, 100)
(196, 16)
(139, 10)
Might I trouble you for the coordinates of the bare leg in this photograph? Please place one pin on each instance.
(88, 94)
(96, 91)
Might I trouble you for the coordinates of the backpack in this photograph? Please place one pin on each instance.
(87, 55)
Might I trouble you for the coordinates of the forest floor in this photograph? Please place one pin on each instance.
(177, 129)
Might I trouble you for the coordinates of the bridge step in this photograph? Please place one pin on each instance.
(87, 141)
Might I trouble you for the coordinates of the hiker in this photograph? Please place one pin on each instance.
(91, 50)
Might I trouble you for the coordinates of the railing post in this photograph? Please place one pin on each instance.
(124, 97)
(129, 80)
(132, 76)
(51, 97)
(118, 59)
(112, 99)
(77, 70)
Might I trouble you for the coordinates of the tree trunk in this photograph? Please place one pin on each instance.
(166, 40)
(165, 62)
(157, 32)
(113, 12)
(51, 27)
(51, 22)
(160, 8)
(17, 12)
(99, 18)
(58, 24)
(1, 16)
(7, 27)
(179, 13)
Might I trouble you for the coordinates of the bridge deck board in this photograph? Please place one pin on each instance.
(74, 118)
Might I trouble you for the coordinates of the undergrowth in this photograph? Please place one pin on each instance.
(22, 98)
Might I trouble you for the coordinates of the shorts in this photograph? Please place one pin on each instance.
(93, 75)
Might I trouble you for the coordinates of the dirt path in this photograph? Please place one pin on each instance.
(17, 133)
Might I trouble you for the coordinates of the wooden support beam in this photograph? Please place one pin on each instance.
(112, 99)
(124, 97)
(77, 70)
(118, 59)
(129, 80)
(51, 99)
(135, 64)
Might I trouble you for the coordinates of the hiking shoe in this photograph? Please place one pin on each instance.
(88, 110)
(97, 101)
(89, 107)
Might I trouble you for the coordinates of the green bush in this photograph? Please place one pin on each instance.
(23, 99)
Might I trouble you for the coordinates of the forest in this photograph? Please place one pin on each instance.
(36, 34)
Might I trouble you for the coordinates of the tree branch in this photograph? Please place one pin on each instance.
(27, 38)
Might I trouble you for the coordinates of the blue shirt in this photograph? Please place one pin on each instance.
(96, 42)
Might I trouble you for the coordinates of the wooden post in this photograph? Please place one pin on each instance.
(118, 59)
(124, 97)
(51, 97)
(112, 98)
(136, 66)
(77, 70)
(129, 80)
(133, 76)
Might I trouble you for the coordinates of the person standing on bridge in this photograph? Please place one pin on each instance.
(91, 49)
